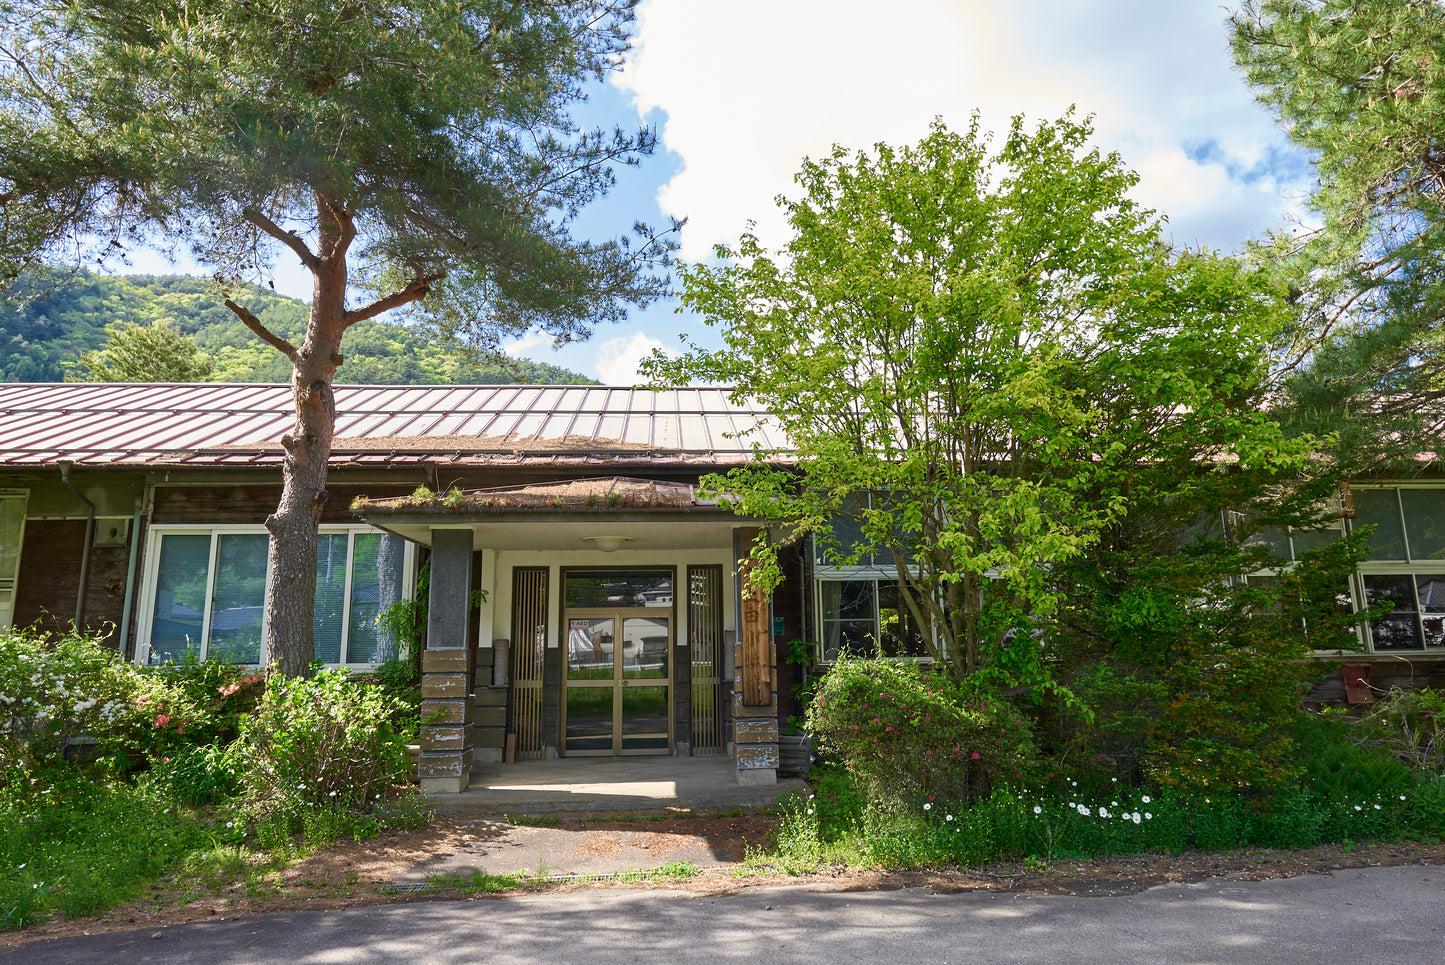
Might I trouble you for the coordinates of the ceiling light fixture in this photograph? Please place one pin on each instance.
(607, 544)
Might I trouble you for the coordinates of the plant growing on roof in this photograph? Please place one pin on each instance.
(422, 153)
(971, 352)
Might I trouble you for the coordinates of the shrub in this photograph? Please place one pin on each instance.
(204, 774)
(205, 701)
(318, 756)
(1410, 726)
(54, 691)
(401, 681)
(907, 734)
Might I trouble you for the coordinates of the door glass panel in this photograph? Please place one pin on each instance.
(644, 718)
(180, 608)
(1425, 522)
(589, 718)
(644, 648)
(618, 589)
(377, 571)
(590, 646)
(240, 595)
(1400, 629)
(1378, 507)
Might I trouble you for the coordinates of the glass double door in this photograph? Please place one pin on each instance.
(616, 691)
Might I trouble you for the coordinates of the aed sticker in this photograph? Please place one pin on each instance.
(580, 625)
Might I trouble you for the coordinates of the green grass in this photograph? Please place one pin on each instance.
(82, 844)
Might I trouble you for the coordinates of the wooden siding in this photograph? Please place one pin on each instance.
(219, 505)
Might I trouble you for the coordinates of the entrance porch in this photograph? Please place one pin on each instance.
(598, 617)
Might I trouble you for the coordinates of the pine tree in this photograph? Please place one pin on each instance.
(1361, 85)
(422, 153)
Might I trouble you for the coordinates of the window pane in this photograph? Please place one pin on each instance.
(899, 633)
(1272, 537)
(1431, 589)
(849, 617)
(12, 518)
(180, 596)
(326, 618)
(240, 596)
(1378, 507)
(844, 536)
(1425, 522)
(1400, 629)
(377, 569)
(644, 647)
(625, 589)
(1306, 541)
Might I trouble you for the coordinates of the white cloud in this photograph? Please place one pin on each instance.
(618, 358)
(751, 87)
(527, 343)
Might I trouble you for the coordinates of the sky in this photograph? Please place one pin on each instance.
(740, 92)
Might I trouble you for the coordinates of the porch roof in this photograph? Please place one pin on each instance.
(573, 514)
(217, 424)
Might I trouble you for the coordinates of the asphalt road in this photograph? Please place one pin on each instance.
(1378, 915)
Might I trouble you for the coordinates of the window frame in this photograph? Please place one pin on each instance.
(150, 580)
(1409, 566)
(10, 582)
(843, 574)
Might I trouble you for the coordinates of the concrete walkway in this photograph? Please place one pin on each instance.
(595, 784)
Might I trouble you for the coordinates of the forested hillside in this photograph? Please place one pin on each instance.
(42, 340)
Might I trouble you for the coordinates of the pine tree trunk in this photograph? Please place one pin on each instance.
(291, 587)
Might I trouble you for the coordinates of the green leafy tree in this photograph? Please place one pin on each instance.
(984, 361)
(1361, 85)
(147, 353)
(421, 153)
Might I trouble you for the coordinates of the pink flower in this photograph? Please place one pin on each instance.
(162, 720)
(975, 755)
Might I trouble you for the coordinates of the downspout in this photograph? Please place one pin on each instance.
(130, 575)
(65, 467)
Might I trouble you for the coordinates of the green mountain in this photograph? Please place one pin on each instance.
(43, 338)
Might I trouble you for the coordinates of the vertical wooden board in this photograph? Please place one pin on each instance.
(757, 636)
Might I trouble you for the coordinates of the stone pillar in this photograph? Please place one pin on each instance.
(446, 683)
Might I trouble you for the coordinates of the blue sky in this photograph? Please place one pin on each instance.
(741, 92)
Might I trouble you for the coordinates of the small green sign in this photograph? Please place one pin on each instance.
(777, 626)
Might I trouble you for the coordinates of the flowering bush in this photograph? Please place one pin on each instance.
(55, 691)
(909, 735)
(324, 744)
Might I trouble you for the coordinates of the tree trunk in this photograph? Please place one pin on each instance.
(291, 588)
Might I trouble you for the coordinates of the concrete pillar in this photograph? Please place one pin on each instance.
(446, 682)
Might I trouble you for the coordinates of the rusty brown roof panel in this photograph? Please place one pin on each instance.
(230, 424)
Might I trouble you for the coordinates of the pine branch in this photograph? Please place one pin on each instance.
(419, 288)
(287, 238)
(262, 332)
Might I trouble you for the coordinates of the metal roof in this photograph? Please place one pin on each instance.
(230, 424)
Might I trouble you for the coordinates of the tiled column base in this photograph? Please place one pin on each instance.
(446, 722)
(755, 729)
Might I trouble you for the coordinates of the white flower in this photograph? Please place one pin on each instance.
(1113, 804)
(1377, 807)
(1145, 799)
(230, 824)
(1402, 797)
(928, 807)
(1085, 811)
(1357, 807)
(1148, 816)
(1114, 779)
(948, 817)
(1136, 817)
(18, 867)
(1103, 811)
(1038, 810)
